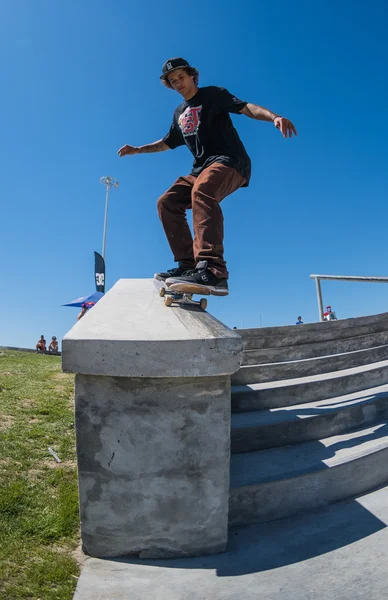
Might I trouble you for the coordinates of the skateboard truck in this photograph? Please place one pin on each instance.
(180, 298)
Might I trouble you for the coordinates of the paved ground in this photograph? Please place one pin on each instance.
(338, 553)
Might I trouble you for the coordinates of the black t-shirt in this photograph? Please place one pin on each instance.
(204, 125)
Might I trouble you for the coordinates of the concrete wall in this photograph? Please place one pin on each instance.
(153, 464)
(152, 424)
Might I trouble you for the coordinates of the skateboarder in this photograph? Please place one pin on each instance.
(221, 166)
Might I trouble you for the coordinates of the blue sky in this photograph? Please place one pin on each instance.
(79, 80)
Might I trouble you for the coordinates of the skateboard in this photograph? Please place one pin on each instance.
(171, 296)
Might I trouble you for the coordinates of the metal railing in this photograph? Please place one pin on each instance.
(340, 278)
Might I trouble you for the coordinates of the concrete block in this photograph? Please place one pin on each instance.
(130, 333)
(153, 462)
(152, 424)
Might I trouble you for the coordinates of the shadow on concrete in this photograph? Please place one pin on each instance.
(282, 462)
(330, 408)
(265, 546)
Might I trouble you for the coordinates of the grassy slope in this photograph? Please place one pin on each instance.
(38, 497)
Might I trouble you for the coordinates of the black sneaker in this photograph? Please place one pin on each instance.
(176, 272)
(202, 280)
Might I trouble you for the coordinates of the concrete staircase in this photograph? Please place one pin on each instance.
(309, 417)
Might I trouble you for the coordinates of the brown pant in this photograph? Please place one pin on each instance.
(203, 194)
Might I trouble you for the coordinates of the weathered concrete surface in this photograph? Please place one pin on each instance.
(275, 337)
(153, 461)
(152, 424)
(310, 366)
(340, 552)
(130, 333)
(288, 392)
(313, 349)
(277, 427)
(281, 482)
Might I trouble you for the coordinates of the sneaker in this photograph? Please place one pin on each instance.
(176, 272)
(202, 280)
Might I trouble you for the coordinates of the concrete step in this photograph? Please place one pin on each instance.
(277, 394)
(261, 356)
(310, 366)
(312, 421)
(275, 337)
(280, 482)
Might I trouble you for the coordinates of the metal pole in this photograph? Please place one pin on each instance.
(319, 298)
(109, 182)
(105, 222)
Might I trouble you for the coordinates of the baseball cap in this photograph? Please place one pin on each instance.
(172, 64)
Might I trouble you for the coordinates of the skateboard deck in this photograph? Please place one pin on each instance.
(172, 296)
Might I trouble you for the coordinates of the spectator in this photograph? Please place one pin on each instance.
(83, 312)
(299, 321)
(53, 347)
(41, 345)
(329, 315)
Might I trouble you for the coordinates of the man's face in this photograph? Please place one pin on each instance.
(182, 82)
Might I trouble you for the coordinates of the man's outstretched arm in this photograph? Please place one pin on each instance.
(253, 111)
(158, 146)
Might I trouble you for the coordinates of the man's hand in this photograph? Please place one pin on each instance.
(158, 146)
(128, 150)
(285, 126)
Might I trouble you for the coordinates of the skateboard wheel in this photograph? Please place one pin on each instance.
(203, 303)
(168, 300)
(162, 291)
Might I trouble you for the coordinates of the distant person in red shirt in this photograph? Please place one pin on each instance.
(329, 315)
(41, 345)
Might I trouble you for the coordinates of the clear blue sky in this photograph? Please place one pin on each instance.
(80, 79)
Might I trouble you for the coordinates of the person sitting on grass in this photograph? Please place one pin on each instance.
(53, 347)
(41, 345)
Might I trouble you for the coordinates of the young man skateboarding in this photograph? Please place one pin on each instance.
(221, 166)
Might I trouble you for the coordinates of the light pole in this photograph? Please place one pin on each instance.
(109, 182)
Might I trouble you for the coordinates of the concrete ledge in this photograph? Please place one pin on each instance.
(303, 334)
(318, 326)
(152, 398)
(310, 366)
(130, 333)
(29, 350)
(314, 349)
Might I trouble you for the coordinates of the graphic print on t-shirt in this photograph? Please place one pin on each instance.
(189, 120)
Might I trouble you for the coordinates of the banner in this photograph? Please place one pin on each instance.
(99, 270)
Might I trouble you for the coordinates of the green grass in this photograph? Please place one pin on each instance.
(39, 523)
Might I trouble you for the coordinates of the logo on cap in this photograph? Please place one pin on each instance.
(169, 66)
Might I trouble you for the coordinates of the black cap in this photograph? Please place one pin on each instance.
(172, 64)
